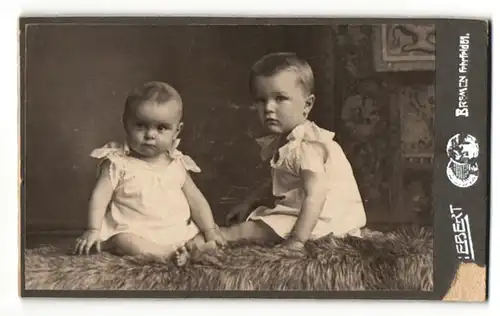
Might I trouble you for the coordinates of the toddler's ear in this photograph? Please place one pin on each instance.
(309, 104)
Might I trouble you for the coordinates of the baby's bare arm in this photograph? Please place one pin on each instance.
(200, 209)
(100, 198)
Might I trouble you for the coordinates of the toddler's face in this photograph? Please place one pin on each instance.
(152, 128)
(281, 102)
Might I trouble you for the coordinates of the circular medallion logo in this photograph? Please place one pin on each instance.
(463, 151)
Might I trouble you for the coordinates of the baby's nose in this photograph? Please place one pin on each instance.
(150, 133)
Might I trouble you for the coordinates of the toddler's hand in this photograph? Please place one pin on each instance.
(85, 242)
(215, 235)
(237, 214)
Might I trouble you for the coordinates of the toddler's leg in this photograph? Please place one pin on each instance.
(252, 231)
(133, 245)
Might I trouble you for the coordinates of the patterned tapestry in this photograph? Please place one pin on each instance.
(385, 119)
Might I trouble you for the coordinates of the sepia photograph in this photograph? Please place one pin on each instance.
(232, 157)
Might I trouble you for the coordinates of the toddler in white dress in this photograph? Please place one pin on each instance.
(315, 191)
(145, 201)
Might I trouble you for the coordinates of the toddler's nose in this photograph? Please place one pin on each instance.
(270, 106)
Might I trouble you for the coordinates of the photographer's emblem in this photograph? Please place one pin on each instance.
(463, 151)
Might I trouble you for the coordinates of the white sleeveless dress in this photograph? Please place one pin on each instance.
(342, 214)
(147, 200)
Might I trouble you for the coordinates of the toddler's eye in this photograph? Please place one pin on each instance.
(259, 101)
(162, 128)
(281, 98)
(140, 125)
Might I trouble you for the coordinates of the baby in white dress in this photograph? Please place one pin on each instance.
(315, 191)
(145, 201)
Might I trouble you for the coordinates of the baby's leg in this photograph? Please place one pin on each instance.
(251, 231)
(198, 243)
(127, 244)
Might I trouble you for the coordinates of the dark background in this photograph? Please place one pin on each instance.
(77, 78)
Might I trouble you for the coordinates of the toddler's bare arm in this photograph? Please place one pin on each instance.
(315, 190)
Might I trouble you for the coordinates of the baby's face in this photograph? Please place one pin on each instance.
(281, 102)
(152, 128)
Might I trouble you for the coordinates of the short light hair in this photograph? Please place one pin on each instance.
(273, 63)
(154, 91)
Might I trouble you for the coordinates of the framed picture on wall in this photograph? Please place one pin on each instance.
(404, 47)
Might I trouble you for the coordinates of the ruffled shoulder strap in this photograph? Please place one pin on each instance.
(310, 132)
(114, 152)
(111, 151)
(307, 149)
(268, 146)
(186, 161)
(265, 141)
(189, 164)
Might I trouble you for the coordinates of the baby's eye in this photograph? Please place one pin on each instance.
(140, 125)
(281, 98)
(162, 128)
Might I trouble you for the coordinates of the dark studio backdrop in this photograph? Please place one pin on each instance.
(78, 76)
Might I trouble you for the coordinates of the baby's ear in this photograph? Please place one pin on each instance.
(179, 127)
(310, 100)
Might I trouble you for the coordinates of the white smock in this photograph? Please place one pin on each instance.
(312, 148)
(147, 200)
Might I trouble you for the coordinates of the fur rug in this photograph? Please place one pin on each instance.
(398, 260)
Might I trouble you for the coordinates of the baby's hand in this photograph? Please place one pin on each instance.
(215, 235)
(85, 242)
(293, 244)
